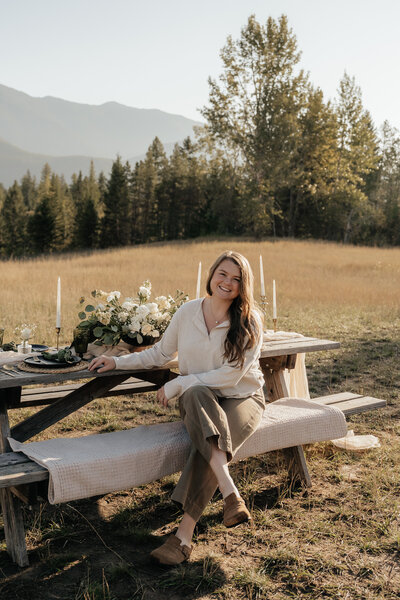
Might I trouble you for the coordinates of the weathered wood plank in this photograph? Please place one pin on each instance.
(360, 405)
(78, 398)
(297, 346)
(41, 397)
(12, 458)
(22, 474)
(10, 505)
(336, 398)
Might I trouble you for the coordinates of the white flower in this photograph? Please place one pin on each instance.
(26, 333)
(113, 296)
(146, 329)
(134, 326)
(100, 307)
(163, 303)
(144, 292)
(123, 316)
(155, 333)
(142, 311)
(129, 305)
(166, 318)
(153, 308)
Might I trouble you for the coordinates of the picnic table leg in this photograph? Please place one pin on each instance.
(295, 459)
(11, 506)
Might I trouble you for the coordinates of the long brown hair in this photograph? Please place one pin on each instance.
(245, 328)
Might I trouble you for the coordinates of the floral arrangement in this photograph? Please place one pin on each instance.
(137, 321)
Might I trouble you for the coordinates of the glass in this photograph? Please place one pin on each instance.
(1, 335)
(81, 340)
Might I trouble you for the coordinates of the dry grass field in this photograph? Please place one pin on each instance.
(340, 541)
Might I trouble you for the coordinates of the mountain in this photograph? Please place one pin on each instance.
(48, 128)
(14, 163)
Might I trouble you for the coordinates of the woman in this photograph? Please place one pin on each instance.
(218, 339)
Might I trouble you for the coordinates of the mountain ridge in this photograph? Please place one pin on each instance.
(61, 132)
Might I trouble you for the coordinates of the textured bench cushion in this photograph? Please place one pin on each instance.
(108, 462)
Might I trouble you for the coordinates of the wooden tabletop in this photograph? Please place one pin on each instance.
(270, 349)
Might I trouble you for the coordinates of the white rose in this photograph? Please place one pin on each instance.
(144, 291)
(142, 311)
(26, 333)
(155, 333)
(134, 326)
(146, 329)
(123, 316)
(152, 306)
(163, 303)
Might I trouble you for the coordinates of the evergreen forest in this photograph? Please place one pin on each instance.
(274, 158)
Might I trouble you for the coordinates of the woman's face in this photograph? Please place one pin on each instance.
(225, 283)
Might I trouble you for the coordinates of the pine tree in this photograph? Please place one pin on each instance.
(14, 223)
(116, 223)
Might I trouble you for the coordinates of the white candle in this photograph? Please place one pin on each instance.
(58, 314)
(262, 277)
(273, 300)
(198, 281)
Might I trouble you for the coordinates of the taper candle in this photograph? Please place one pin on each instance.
(198, 281)
(262, 277)
(58, 313)
(273, 299)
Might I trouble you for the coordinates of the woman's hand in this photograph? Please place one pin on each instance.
(161, 397)
(102, 364)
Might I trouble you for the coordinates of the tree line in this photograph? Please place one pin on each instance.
(273, 159)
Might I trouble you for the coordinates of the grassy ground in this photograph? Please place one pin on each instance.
(341, 540)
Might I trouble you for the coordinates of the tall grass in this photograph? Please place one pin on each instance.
(310, 276)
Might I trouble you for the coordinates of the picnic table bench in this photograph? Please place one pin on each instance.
(19, 474)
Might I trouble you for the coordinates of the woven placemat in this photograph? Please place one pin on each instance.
(79, 367)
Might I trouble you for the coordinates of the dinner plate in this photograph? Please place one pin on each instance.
(40, 361)
(39, 348)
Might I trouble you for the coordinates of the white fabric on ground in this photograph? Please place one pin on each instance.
(98, 464)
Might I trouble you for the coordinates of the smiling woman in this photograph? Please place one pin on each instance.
(218, 339)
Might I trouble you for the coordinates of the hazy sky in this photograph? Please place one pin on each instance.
(159, 53)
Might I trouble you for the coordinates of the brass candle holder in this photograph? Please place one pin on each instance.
(58, 329)
(275, 324)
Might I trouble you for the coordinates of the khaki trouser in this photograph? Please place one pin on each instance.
(231, 421)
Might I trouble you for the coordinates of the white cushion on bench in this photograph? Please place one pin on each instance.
(108, 462)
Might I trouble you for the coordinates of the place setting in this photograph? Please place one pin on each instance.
(41, 358)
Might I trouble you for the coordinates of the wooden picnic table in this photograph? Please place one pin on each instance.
(276, 356)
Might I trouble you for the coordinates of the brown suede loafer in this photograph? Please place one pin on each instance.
(172, 552)
(235, 511)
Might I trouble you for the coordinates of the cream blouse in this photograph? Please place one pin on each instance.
(200, 359)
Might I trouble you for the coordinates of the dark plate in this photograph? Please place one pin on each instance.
(39, 348)
(43, 362)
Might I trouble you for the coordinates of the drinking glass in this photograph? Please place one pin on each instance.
(81, 340)
(1, 336)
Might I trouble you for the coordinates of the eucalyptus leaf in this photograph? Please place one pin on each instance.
(89, 308)
(108, 339)
(82, 315)
(98, 332)
(114, 328)
(139, 338)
